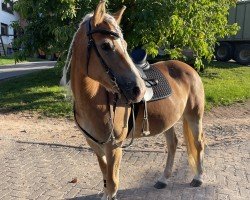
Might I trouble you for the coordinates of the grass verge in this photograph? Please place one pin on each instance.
(39, 92)
(9, 60)
(224, 84)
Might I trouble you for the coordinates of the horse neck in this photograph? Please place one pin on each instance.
(92, 89)
(88, 91)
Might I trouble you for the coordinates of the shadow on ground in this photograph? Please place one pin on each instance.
(172, 192)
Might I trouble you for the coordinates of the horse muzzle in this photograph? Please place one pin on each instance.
(133, 90)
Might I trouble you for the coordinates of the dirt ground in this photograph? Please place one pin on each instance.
(222, 126)
(39, 159)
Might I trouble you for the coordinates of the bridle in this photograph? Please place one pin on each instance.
(92, 44)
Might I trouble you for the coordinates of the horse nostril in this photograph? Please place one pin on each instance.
(136, 91)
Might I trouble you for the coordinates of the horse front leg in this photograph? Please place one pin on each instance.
(101, 157)
(113, 156)
(103, 165)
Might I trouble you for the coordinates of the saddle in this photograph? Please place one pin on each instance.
(157, 86)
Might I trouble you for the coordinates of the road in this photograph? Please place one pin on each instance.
(10, 71)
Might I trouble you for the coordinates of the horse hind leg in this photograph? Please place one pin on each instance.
(171, 145)
(194, 137)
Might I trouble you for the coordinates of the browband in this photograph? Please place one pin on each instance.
(103, 31)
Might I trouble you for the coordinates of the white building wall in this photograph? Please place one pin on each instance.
(8, 18)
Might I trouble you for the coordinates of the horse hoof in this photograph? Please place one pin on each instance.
(114, 198)
(196, 183)
(160, 185)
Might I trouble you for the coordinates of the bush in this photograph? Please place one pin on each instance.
(172, 25)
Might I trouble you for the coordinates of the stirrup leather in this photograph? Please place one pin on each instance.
(145, 123)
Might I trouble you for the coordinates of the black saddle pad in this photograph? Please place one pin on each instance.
(162, 89)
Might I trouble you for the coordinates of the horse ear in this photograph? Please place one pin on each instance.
(118, 14)
(99, 13)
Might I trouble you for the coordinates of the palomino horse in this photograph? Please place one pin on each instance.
(100, 68)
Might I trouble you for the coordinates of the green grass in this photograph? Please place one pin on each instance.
(226, 83)
(6, 60)
(39, 92)
(9, 60)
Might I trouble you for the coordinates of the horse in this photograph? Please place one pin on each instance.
(105, 83)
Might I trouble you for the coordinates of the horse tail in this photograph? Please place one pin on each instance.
(191, 148)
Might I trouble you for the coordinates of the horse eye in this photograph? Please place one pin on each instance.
(107, 46)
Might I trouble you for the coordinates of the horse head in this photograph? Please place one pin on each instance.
(108, 61)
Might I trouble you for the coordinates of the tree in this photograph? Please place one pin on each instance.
(50, 24)
(172, 25)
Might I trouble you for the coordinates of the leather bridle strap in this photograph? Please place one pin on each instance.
(105, 32)
(91, 43)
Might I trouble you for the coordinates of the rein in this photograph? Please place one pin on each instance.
(112, 107)
(111, 137)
